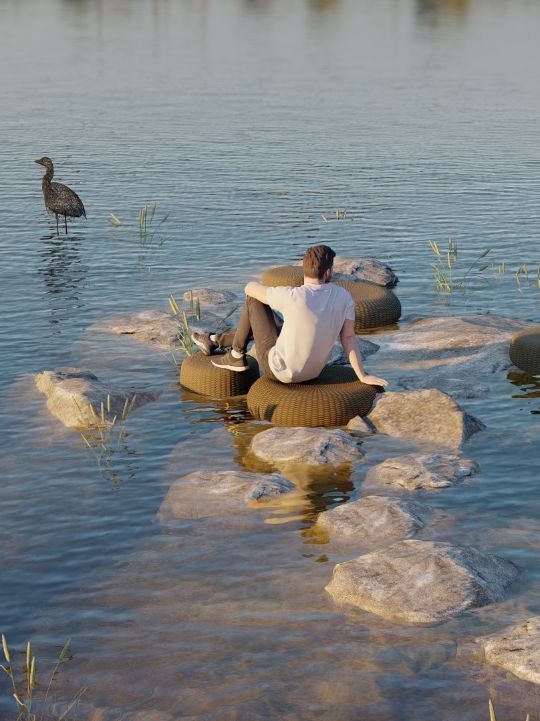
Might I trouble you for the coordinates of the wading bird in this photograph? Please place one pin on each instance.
(59, 199)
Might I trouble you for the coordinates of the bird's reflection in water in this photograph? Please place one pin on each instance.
(528, 385)
(63, 272)
(433, 12)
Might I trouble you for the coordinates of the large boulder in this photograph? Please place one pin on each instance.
(160, 329)
(80, 400)
(516, 649)
(374, 520)
(422, 470)
(217, 493)
(428, 416)
(458, 355)
(313, 446)
(363, 269)
(421, 581)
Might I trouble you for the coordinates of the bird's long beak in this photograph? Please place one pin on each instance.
(38, 162)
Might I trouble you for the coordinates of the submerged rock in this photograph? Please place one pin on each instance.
(374, 520)
(76, 396)
(208, 296)
(159, 329)
(428, 416)
(423, 470)
(421, 581)
(457, 355)
(516, 649)
(217, 493)
(313, 446)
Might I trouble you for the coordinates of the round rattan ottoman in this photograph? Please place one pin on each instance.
(197, 374)
(375, 306)
(525, 350)
(332, 399)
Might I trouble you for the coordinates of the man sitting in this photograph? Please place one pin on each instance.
(314, 315)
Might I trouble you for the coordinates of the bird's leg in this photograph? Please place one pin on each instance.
(56, 214)
(65, 221)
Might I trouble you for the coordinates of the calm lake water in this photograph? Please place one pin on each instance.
(247, 121)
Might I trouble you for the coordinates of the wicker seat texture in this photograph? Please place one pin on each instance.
(332, 399)
(375, 306)
(525, 350)
(197, 374)
(283, 275)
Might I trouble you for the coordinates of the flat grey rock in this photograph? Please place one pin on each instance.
(209, 296)
(374, 520)
(422, 470)
(420, 582)
(76, 396)
(313, 446)
(216, 493)
(458, 355)
(427, 416)
(159, 329)
(516, 649)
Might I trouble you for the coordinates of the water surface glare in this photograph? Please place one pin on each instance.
(250, 122)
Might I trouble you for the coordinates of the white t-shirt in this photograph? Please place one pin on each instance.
(313, 316)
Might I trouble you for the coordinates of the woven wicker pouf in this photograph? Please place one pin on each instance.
(375, 306)
(525, 350)
(332, 399)
(197, 374)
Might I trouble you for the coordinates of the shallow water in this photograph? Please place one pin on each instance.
(247, 122)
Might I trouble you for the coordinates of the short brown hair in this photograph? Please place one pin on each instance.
(317, 260)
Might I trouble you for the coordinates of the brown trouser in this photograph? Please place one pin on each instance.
(257, 322)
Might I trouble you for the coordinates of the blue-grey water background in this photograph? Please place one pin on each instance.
(247, 121)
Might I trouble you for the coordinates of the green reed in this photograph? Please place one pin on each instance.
(448, 274)
(26, 691)
(149, 225)
(493, 717)
(193, 309)
(106, 433)
(339, 214)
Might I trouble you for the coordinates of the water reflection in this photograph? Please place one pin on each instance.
(322, 5)
(63, 272)
(529, 385)
(321, 487)
(433, 12)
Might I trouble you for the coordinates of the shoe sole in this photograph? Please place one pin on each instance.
(203, 348)
(229, 368)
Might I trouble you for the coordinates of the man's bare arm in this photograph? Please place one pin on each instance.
(256, 290)
(352, 353)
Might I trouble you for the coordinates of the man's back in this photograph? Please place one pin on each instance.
(313, 316)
